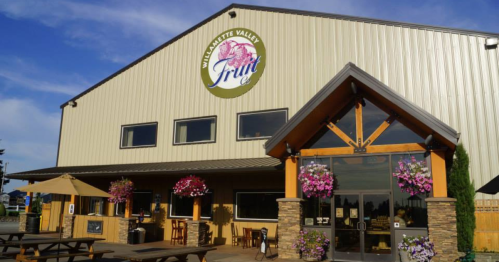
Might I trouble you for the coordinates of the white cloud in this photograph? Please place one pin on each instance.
(29, 135)
(19, 73)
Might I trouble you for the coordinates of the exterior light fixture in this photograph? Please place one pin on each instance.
(429, 141)
(290, 150)
(232, 14)
(354, 88)
(72, 103)
(491, 43)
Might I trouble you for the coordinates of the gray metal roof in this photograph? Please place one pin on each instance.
(205, 166)
(352, 71)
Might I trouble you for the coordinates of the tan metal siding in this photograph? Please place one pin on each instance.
(451, 76)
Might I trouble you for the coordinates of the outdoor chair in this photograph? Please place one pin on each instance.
(275, 239)
(235, 235)
(175, 237)
(247, 237)
(182, 232)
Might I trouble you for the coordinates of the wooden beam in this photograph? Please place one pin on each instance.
(340, 133)
(379, 130)
(27, 208)
(396, 148)
(291, 182)
(196, 211)
(358, 121)
(327, 151)
(439, 173)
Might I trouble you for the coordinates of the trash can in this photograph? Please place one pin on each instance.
(33, 224)
(133, 237)
(142, 235)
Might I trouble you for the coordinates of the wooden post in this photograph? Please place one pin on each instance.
(291, 183)
(196, 212)
(128, 207)
(72, 201)
(27, 208)
(439, 174)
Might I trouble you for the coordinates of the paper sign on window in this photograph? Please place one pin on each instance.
(354, 213)
(339, 212)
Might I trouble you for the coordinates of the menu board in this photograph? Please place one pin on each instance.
(94, 227)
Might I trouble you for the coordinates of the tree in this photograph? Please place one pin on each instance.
(461, 188)
(2, 182)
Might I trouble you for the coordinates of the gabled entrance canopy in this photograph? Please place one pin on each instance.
(354, 84)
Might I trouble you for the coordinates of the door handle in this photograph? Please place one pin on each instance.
(365, 226)
(358, 227)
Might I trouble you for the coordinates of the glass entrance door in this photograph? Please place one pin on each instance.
(362, 228)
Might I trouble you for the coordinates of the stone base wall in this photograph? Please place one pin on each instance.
(126, 224)
(290, 218)
(67, 231)
(23, 221)
(442, 228)
(196, 233)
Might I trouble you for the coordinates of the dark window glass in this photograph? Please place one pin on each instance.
(347, 122)
(409, 211)
(325, 138)
(397, 133)
(317, 210)
(257, 205)
(182, 206)
(366, 172)
(260, 125)
(372, 118)
(197, 130)
(143, 135)
(142, 201)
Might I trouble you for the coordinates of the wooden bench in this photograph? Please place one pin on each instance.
(162, 255)
(13, 254)
(92, 255)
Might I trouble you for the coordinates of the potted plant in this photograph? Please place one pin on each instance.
(312, 245)
(316, 180)
(120, 190)
(413, 176)
(416, 248)
(190, 186)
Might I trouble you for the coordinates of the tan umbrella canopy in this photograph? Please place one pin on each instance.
(64, 185)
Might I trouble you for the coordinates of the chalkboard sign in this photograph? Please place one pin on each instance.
(94, 227)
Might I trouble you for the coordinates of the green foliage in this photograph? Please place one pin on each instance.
(2, 210)
(13, 213)
(461, 188)
(36, 205)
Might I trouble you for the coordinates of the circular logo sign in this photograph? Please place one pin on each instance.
(233, 63)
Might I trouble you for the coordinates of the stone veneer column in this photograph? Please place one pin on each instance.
(68, 226)
(126, 224)
(442, 228)
(290, 218)
(195, 233)
(23, 222)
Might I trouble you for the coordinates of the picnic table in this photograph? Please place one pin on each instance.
(11, 235)
(72, 246)
(162, 255)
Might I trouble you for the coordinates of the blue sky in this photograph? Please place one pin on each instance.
(52, 50)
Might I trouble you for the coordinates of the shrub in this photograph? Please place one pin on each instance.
(2, 210)
(461, 188)
(312, 244)
(13, 213)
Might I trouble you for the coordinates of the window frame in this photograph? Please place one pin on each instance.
(139, 124)
(150, 205)
(193, 119)
(170, 206)
(238, 139)
(236, 191)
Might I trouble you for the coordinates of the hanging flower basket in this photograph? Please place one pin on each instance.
(191, 186)
(120, 190)
(416, 249)
(312, 245)
(316, 180)
(413, 176)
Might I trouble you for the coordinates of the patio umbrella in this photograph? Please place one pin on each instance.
(64, 185)
(491, 188)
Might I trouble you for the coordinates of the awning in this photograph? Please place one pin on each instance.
(205, 166)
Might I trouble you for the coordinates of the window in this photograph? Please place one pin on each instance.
(142, 200)
(258, 125)
(139, 135)
(182, 206)
(200, 130)
(257, 205)
(96, 205)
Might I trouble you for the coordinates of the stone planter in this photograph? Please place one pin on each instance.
(310, 259)
(404, 257)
